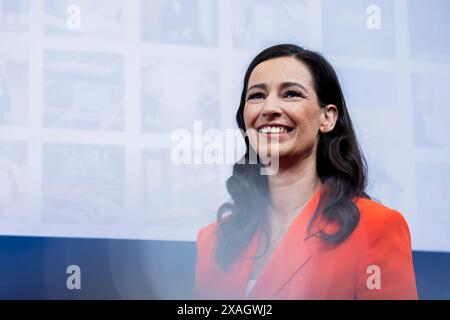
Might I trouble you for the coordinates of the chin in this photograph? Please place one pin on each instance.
(282, 151)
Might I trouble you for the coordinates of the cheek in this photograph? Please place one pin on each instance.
(249, 116)
(308, 118)
(299, 116)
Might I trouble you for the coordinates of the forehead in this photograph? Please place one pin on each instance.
(278, 70)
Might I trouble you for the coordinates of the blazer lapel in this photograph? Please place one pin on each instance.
(291, 255)
(234, 281)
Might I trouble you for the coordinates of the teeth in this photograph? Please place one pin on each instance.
(273, 130)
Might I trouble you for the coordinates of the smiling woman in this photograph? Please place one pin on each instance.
(308, 231)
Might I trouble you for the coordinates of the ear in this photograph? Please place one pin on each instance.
(329, 116)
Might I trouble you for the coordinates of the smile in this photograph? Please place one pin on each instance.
(274, 129)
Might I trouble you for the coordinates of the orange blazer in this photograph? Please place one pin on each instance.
(374, 262)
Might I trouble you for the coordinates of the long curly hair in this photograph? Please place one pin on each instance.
(340, 165)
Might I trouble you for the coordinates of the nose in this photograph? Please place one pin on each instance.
(271, 107)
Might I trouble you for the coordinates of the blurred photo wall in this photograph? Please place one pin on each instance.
(92, 91)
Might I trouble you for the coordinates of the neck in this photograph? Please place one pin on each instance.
(293, 185)
(290, 188)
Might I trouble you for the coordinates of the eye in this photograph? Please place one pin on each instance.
(257, 95)
(289, 94)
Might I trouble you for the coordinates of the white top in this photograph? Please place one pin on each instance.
(250, 285)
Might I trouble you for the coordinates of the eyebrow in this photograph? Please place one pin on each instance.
(283, 86)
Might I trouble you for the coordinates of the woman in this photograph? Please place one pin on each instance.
(308, 231)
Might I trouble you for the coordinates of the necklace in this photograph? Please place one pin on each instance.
(275, 238)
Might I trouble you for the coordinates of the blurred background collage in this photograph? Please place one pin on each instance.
(86, 114)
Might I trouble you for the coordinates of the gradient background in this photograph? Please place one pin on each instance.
(86, 117)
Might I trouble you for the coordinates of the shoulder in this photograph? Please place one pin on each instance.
(375, 214)
(207, 239)
(384, 243)
(207, 233)
(380, 221)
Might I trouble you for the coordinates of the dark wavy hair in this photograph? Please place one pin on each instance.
(340, 165)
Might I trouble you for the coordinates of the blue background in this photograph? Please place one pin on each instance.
(35, 268)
